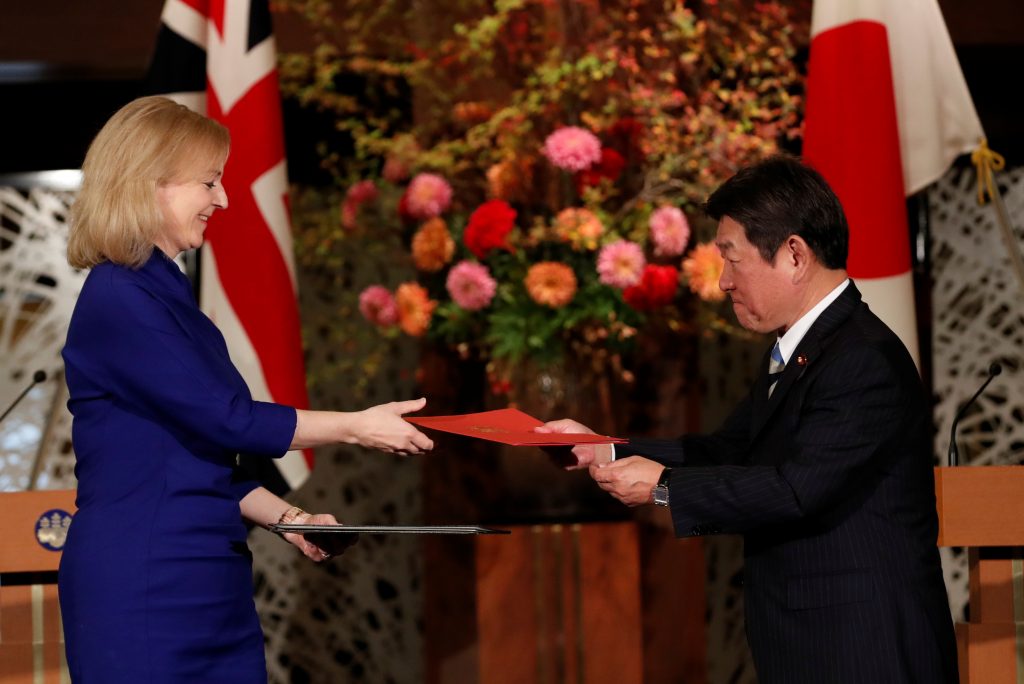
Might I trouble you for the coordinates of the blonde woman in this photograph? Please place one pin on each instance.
(155, 581)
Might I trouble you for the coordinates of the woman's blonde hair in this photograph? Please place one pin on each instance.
(149, 142)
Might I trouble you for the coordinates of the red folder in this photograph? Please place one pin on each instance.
(508, 426)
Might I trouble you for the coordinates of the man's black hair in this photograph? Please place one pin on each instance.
(779, 197)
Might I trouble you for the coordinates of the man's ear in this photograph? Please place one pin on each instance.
(799, 256)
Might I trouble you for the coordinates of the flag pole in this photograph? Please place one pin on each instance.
(987, 163)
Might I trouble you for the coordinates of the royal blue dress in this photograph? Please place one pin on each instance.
(156, 578)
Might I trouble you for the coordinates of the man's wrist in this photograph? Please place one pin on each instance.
(659, 493)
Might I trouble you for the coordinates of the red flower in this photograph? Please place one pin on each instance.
(403, 209)
(626, 135)
(657, 288)
(488, 228)
(610, 167)
(416, 51)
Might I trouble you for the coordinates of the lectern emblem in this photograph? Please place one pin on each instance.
(52, 529)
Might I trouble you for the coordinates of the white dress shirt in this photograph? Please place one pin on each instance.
(791, 339)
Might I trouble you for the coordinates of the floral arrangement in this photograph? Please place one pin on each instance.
(546, 185)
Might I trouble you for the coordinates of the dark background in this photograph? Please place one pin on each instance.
(65, 67)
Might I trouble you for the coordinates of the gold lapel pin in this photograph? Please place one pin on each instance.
(801, 360)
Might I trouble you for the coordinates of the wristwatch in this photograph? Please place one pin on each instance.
(660, 490)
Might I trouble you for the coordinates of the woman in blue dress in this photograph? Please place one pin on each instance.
(156, 578)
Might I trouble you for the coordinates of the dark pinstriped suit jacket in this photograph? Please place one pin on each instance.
(830, 482)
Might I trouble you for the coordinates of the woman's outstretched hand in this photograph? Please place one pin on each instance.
(378, 427)
(382, 427)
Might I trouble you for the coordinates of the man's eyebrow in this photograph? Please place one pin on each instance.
(723, 245)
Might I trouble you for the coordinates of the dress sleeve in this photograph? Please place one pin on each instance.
(726, 446)
(134, 348)
(242, 483)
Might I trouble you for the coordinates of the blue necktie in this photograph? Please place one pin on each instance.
(775, 367)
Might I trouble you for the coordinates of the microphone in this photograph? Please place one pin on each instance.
(37, 377)
(954, 456)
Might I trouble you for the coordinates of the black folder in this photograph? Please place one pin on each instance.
(387, 529)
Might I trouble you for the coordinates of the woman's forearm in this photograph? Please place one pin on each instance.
(319, 428)
(263, 507)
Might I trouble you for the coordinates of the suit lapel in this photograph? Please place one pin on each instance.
(809, 350)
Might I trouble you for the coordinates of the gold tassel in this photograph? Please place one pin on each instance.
(986, 161)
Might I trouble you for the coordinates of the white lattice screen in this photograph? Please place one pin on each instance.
(978, 318)
(38, 290)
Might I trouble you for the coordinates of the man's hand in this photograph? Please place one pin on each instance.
(630, 480)
(579, 456)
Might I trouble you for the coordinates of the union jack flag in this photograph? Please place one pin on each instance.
(218, 58)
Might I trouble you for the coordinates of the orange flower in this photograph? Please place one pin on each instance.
(703, 269)
(501, 180)
(551, 284)
(432, 246)
(414, 308)
(471, 113)
(581, 227)
(507, 179)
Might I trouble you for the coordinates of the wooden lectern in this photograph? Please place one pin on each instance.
(560, 603)
(982, 508)
(549, 603)
(33, 526)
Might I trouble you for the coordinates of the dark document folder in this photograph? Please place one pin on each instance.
(387, 529)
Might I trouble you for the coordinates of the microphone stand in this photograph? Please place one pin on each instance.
(953, 457)
(37, 377)
(60, 397)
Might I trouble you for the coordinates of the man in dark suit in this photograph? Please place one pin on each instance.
(825, 468)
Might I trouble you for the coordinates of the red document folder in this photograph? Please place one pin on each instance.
(507, 426)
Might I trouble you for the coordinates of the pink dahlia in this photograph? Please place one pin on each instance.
(427, 196)
(572, 148)
(670, 231)
(362, 192)
(621, 264)
(471, 286)
(378, 306)
(395, 170)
